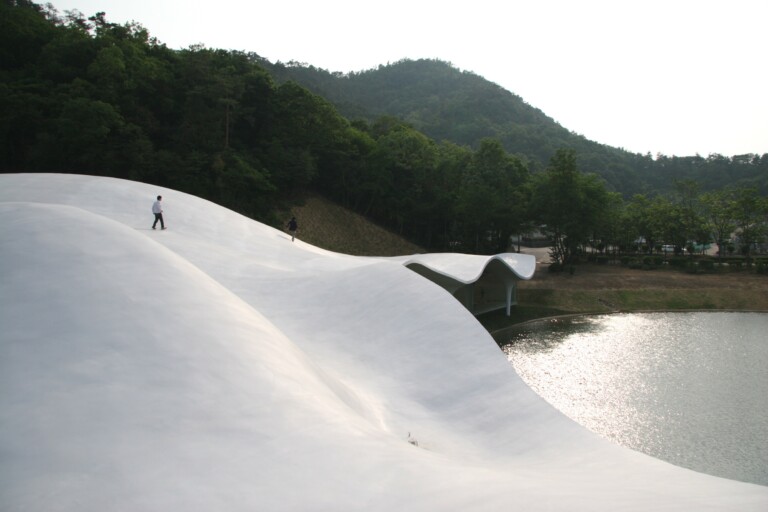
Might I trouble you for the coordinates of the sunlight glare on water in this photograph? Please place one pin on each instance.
(688, 388)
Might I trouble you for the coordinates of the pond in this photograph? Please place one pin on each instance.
(688, 388)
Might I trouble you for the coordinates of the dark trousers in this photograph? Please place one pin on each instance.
(158, 217)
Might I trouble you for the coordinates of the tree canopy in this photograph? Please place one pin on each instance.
(449, 104)
(443, 157)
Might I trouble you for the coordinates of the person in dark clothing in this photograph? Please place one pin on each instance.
(292, 227)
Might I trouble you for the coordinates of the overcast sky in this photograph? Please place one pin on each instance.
(677, 77)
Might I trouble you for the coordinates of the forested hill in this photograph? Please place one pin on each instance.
(439, 100)
(446, 103)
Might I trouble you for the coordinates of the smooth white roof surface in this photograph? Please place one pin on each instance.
(219, 366)
(468, 268)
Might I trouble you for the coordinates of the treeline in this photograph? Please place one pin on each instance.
(580, 215)
(88, 96)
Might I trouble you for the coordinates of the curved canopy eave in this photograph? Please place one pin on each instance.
(468, 268)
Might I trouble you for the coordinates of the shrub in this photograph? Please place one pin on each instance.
(678, 262)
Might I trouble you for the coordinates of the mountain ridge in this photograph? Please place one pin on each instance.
(446, 103)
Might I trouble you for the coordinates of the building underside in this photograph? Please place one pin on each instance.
(481, 283)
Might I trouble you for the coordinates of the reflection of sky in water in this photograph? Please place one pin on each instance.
(688, 388)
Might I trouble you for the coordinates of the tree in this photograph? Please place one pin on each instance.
(691, 224)
(306, 129)
(445, 227)
(24, 32)
(608, 231)
(718, 212)
(494, 197)
(749, 212)
(569, 204)
(92, 137)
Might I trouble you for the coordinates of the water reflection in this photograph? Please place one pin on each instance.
(689, 388)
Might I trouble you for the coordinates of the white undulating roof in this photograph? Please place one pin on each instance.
(467, 268)
(219, 366)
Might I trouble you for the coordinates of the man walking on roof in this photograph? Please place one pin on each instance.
(157, 209)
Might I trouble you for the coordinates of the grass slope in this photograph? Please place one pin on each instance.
(325, 224)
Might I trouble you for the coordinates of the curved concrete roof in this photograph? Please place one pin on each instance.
(328, 366)
(468, 268)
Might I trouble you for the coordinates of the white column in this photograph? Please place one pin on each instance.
(510, 288)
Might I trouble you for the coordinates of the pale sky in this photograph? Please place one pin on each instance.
(677, 77)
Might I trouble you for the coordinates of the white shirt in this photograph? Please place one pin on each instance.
(157, 207)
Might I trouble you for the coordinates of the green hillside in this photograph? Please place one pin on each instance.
(446, 103)
(440, 101)
(325, 224)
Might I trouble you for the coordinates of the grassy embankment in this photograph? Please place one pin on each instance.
(327, 225)
(592, 288)
(597, 288)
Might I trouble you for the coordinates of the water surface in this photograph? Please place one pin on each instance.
(688, 388)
